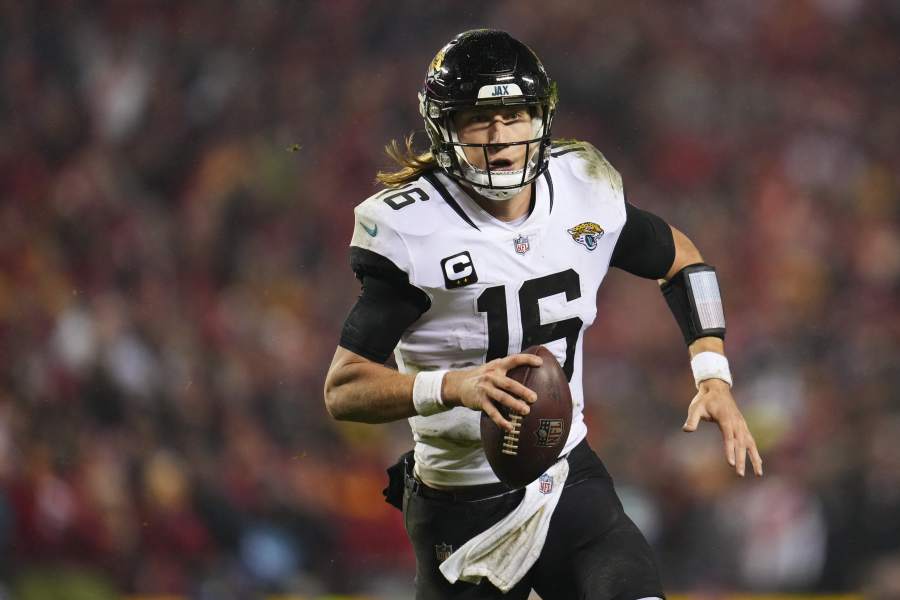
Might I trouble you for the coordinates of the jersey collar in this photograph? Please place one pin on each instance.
(469, 211)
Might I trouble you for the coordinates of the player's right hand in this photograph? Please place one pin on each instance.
(483, 388)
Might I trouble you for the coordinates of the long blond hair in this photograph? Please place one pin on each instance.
(412, 164)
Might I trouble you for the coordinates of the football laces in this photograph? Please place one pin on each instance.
(511, 439)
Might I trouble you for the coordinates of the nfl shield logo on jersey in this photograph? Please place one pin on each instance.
(545, 484)
(443, 551)
(521, 243)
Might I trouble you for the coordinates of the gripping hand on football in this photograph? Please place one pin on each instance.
(485, 387)
(714, 402)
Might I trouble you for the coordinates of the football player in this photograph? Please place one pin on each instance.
(493, 241)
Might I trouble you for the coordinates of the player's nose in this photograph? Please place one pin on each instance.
(498, 131)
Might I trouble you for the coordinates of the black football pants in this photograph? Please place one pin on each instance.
(593, 550)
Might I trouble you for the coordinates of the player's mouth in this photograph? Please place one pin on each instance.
(501, 164)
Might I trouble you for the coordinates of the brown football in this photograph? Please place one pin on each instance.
(521, 456)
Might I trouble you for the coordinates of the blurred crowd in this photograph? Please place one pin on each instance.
(176, 190)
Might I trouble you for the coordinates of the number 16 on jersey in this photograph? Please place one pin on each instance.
(493, 302)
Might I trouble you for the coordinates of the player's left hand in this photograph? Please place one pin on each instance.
(714, 402)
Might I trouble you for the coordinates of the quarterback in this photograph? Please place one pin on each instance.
(495, 240)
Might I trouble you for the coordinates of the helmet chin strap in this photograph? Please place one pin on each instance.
(498, 195)
(477, 178)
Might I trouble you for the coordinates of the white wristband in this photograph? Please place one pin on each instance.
(710, 365)
(427, 393)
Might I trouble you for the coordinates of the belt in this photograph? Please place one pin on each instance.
(469, 493)
(581, 453)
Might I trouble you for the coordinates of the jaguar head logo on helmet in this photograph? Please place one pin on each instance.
(480, 74)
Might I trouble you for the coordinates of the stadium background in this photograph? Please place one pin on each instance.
(177, 184)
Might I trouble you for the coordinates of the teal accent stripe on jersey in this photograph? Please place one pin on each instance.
(550, 187)
(448, 198)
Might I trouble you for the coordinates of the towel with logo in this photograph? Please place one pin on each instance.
(506, 551)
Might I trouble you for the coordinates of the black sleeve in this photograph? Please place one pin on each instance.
(645, 247)
(386, 307)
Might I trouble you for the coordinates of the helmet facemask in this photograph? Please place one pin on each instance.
(492, 183)
(487, 68)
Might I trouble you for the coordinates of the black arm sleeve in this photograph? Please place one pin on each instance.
(645, 247)
(387, 306)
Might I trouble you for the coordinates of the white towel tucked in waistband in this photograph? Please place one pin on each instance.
(506, 551)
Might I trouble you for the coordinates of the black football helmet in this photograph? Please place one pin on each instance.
(486, 67)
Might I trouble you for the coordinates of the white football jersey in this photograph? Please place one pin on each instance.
(496, 288)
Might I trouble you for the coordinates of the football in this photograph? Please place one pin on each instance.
(522, 455)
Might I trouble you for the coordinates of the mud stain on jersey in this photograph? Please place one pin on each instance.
(458, 427)
(599, 168)
(596, 165)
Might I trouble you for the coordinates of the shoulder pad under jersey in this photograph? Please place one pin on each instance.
(384, 221)
(587, 163)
